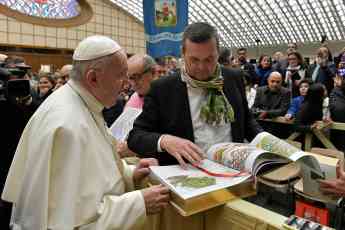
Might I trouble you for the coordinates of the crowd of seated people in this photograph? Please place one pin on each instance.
(283, 94)
(323, 73)
(283, 97)
(285, 86)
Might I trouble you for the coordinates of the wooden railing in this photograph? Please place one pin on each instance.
(318, 133)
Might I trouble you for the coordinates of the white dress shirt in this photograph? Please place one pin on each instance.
(205, 134)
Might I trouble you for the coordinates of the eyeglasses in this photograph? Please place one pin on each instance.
(138, 76)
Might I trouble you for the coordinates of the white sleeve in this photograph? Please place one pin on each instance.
(159, 148)
(67, 201)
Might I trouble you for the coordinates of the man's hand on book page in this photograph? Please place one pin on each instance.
(182, 148)
(156, 198)
(142, 170)
(334, 186)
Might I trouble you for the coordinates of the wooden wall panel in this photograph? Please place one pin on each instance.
(37, 59)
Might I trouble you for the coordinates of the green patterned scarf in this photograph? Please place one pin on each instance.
(217, 108)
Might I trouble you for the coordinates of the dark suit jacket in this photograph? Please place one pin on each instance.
(166, 111)
(324, 76)
(275, 104)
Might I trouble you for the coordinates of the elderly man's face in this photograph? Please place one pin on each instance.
(200, 58)
(139, 78)
(275, 82)
(111, 79)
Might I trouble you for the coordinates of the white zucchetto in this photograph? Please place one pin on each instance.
(94, 47)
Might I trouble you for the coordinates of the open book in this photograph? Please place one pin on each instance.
(230, 164)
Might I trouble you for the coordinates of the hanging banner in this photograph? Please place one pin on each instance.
(164, 22)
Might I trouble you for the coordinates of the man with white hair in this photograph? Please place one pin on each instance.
(65, 71)
(65, 173)
(3, 58)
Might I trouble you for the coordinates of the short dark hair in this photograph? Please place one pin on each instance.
(200, 32)
(224, 56)
(305, 81)
(262, 57)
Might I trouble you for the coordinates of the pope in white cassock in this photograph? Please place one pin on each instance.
(65, 173)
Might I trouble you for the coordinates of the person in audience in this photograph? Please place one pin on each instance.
(297, 101)
(235, 63)
(112, 113)
(160, 70)
(172, 65)
(127, 90)
(250, 93)
(294, 73)
(326, 116)
(311, 114)
(248, 68)
(59, 81)
(2, 59)
(140, 76)
(291, 47)
(277, 59)
(62, 76)
(65, 72)
(229, 61)
(337, 105)
(272, 100)
(71, 177)
(177, 122)
(323, 71)
(225, 57)
(16, 109)
(311, 109)
(338, 58)
(263, 70)
(46, 86)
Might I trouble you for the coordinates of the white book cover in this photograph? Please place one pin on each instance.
(193, 182)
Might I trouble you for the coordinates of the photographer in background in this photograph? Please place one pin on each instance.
(17, 106)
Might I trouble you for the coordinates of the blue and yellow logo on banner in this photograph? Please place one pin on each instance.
(164, 22)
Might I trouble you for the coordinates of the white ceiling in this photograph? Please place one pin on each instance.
(273, 22)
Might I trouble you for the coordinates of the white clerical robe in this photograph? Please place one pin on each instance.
(65, 174)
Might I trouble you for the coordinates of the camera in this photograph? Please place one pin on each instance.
(13, 85)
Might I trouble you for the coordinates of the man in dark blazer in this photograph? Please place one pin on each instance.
(272, 100)
(174, 126)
